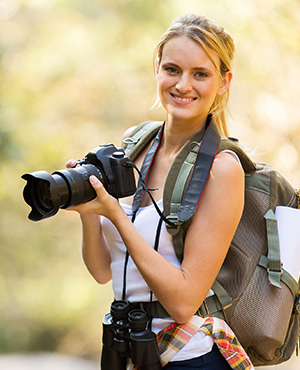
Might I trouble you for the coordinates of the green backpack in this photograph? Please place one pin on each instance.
(253, 293)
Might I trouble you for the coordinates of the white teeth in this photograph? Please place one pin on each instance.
(183, 99)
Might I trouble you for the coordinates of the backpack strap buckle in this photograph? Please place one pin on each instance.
(275, 276)
(279, 272)
(173, 218)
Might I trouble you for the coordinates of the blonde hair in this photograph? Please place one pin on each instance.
(213, 39)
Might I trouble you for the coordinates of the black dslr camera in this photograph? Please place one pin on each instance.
(47, 193)
(125, 335)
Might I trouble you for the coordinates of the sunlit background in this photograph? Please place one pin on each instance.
(76, 74)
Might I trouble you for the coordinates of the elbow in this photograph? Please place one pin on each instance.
(181, 319)
(182, 313)
(102, 278)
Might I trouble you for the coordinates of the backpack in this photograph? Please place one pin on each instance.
(258, 298)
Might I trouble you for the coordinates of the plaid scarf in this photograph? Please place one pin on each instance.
(175, 336)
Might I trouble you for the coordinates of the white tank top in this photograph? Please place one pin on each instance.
(146, 222)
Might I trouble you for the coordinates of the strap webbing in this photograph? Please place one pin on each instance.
(288, 280)
(140, 137)
(204, 161)
(275, 268)
(220, 304)
(182, 179)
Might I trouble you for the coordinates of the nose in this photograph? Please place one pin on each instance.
(184, 83)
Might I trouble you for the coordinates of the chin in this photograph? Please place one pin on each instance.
(182, 116)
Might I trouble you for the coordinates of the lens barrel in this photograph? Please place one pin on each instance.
(47, 193)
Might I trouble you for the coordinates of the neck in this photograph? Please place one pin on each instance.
(177, 133)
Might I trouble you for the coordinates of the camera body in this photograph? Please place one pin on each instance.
(125, 335)
(117, 178)
(47, 193)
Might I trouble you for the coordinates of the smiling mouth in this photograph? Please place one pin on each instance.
(182, 99)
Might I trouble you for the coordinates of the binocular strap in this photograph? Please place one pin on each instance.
(156, 244)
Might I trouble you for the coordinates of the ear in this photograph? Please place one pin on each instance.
(225, 83)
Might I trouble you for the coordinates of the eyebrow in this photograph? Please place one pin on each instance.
(196, 69)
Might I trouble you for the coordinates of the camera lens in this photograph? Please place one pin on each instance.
(47, 193)
(76, 184)
(137, 320)
(43, 195)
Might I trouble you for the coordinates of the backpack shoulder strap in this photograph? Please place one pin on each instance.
(140, 137)
(184, 174)
(188, 176)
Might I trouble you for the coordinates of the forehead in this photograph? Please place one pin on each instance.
(184, 50)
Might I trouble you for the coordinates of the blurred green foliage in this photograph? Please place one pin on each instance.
(76, 74)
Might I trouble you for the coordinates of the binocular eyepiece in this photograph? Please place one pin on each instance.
(126, 335)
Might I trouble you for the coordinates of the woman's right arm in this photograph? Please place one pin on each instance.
(95, 249)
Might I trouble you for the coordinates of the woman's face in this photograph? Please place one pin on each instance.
(188, 81)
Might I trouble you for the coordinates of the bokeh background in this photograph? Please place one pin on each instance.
(76, 74)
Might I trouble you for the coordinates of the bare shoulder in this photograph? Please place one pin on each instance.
(227, 166)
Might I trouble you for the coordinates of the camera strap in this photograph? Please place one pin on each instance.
(143, 175)
(141, 189)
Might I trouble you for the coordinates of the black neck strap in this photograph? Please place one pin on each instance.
(149, 158)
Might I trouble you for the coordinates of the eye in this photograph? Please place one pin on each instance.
(201, 74)
(171, 70)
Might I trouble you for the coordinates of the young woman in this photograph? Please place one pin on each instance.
(193, 72)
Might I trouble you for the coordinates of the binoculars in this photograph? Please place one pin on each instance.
(125, 335)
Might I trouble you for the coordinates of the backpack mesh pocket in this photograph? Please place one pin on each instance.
(257, 319)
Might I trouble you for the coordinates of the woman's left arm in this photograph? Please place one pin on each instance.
(182, 291)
